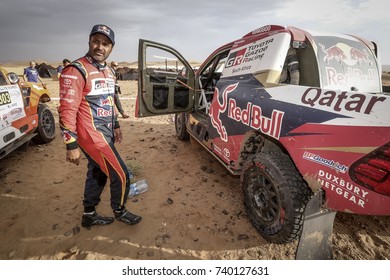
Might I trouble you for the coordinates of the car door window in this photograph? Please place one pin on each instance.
(208, 80)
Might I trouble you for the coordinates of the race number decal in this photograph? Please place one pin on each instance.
(5, 98)
(11, 105)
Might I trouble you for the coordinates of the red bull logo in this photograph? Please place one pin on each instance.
(103, 28)
(334, 52)
(105, 102)
(217, 108)
(103, 113)
(342, 52)
(360, 56)
(251, 116)
(67, 137)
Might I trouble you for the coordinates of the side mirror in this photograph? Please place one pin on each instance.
(13, 78)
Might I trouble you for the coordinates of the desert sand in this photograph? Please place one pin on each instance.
(192, 210)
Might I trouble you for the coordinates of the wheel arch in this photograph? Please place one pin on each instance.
(255, 142)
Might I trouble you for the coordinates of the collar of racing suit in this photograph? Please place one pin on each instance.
(100, 67)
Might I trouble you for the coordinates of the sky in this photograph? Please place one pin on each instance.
(50, 31)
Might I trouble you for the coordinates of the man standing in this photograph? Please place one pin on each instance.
(87, 121)
(31, 73)
(118, 104)
(65, 62)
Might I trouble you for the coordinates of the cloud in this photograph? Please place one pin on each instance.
(52, 30)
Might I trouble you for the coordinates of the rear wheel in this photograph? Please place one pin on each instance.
(180, 126)
(46, 125)
(275, 196)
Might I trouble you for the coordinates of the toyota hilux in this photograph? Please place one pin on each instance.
(303, 151)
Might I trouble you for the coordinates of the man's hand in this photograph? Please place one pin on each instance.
(73, 156)
(118, 135)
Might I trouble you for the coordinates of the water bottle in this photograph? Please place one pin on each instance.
(138, 188)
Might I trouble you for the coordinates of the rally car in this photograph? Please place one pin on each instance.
(302, 151)
(23, 113)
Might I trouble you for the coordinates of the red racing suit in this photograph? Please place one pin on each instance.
(87, 120)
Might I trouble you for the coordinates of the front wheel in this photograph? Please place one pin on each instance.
(275, 196)
(180, 126)
(46, 125)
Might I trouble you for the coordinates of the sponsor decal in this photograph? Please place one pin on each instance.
(217, 149)
(248, 54)
(262, 30)
(106, 101)
(345, 65)
(251, 116)
(69, 76)
(5, 98)
(327, 162)
(235, 58)
(345, 189)
(11, 105)
(66, 137)
(342, 52)
(105, 29)
(337, 78)
(71, 91)
(217, 108)
(226, 153)
(103, 84)
(67, 81)
(15, 111)
(99, 84)
(353, 102)
(103, 112)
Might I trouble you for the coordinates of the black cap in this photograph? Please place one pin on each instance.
(105, 30)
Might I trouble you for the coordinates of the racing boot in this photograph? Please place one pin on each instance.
(89, 220)
(125, 216)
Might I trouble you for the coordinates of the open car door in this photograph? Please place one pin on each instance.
(166, 81)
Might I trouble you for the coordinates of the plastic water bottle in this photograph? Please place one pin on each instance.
(138, 188)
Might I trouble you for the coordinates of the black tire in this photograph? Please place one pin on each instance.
(275, 196)
(46, 125)
(180, 126)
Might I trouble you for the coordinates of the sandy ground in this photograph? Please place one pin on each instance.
(192, 210)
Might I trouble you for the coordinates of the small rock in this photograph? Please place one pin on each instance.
(159, 241)
(150, 253)
(170, 200)
(123, 241)
(76, 230)
(11, 254)
(73, 250)
(243, 237)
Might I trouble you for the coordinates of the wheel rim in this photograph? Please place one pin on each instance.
(264, 198)
(47, 123)
(179, 123)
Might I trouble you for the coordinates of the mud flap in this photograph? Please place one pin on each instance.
(316, 238)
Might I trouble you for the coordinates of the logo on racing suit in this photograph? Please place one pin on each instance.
(103, 112)
(106, 101)
(99, 84)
